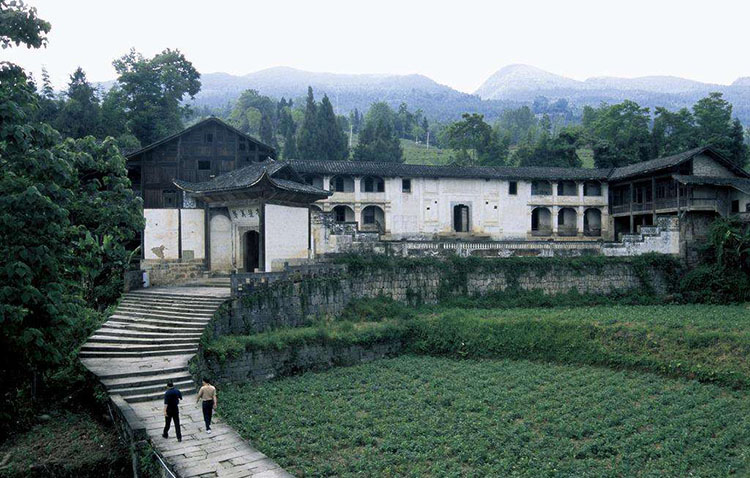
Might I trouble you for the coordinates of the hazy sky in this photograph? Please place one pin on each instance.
(458, 43)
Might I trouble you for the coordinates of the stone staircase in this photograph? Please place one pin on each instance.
(148, 326)
(148, 341)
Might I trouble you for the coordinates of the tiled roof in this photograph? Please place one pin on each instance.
(133, 154)
(741, 184)
(279, 174)
(664, 162)
(364, 168)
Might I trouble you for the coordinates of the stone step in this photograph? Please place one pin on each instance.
(143, 373)
(149, 389)
(101, 338)
(122, 354)
(188, 397)
(175, 298)
(148, 305)
(142, 380)
(125, 347)
(162, 314)
(136, 334)
(159, 321)
(146, 327)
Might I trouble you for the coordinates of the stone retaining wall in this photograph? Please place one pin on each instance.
(296, 299)
(258, 366)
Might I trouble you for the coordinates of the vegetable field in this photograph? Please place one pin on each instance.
(437, 416)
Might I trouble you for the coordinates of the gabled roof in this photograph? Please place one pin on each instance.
(665, 162)
(211, 119)
(277, 174)
(365, 168)
(740, 184)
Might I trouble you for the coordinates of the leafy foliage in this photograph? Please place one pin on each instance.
(20, 25)
(426, 416)
(378, 140)
(476, 142)
(153, 90)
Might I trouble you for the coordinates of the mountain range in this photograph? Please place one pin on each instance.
(511, 86)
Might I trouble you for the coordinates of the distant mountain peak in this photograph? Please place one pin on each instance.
(520, 77)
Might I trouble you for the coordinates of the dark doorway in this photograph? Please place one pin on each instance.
(461, 218)
(252, 251)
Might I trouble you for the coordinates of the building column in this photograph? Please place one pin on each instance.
(580, 211)
(357, 188)
(555, 210)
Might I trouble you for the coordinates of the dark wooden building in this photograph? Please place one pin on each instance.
(197, 154)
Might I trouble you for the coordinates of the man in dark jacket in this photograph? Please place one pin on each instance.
(172, 399)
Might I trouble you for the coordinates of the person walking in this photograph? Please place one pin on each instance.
(172, 399)
(207, 393)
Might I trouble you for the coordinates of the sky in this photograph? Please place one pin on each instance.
(458, 43)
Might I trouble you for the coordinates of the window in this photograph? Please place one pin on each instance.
(209, 137)
(339, 185)
(204, 165)
(242, 145)
(747, 207)
(368, 215)
(513, 188)
(372, 184)
(406, 185)
(736, 205)
(169, 198)
(340, 214)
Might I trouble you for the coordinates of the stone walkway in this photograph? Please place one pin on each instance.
(148, 340)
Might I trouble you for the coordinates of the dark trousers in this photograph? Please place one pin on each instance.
(208, 411)
(172, 415)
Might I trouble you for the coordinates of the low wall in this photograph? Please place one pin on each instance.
(170, 272)
(295, 298)
(258, 366)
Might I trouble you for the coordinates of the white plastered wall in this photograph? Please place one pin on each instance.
(286, 235)
(193, 233)
(160, 236)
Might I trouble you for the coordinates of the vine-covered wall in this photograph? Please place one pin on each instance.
(301, 299)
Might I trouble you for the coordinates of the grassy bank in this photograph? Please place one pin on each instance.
(707, 343)
(68, 444)
(430, 416)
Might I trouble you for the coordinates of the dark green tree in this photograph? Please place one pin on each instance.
(20, 25)
(560, 151)
(475, 142)
(80, 113)
(48, 104)
(673, 132)
(308, 144)
(377, 139)
(715, 128)
(332, 141)
(154, 90)
(619, 133)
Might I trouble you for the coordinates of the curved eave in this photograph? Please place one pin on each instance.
(264, 188)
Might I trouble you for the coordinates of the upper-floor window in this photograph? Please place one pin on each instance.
(592, 188)
(541, 188)
(567, 188)
(169, 198)
(243, 146)
(371, 184)
(209, 137)
(338, 184)
(513, 188)
(204, 165)
(406, 185)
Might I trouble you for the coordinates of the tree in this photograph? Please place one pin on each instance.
(20, 25)
(713, 117)
(307, 139)
(80, 114)
(51, 204)
(475, 142)
(619, 133)
(154, 89)
(331, 139)
(560, 151)
(378, 140)
(48, 106)
(114, 120)
(673, 132)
